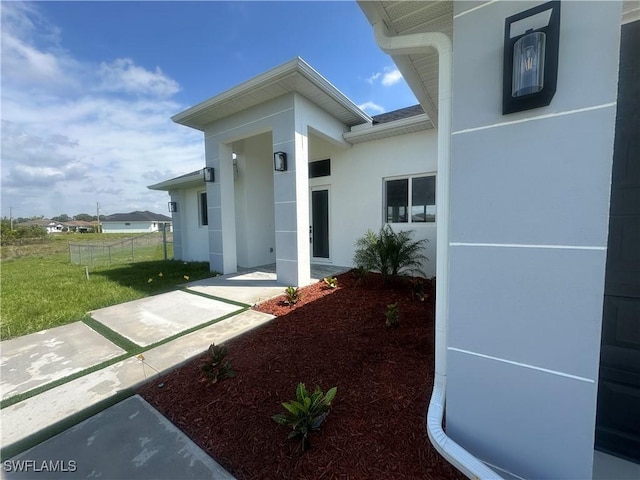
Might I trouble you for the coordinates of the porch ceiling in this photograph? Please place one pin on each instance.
(293, 76)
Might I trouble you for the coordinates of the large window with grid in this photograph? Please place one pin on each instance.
(410, 199)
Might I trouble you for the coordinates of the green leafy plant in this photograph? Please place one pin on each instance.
(389, 253)
(393, 315)
(306, 413)
(215, 367)
(331, 282)
(291, 296)
(360, 274)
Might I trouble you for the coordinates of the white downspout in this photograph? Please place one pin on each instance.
(406, 45)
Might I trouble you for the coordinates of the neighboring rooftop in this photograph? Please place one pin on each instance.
(137, 216)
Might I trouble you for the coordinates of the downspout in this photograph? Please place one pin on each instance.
(407, 45)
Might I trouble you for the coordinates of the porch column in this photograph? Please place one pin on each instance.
(291, 192)
(221, 208)
(227, 236)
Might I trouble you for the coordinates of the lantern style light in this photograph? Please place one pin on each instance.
(280, 161)
(173, 207)
(530, 72)
(209, 174)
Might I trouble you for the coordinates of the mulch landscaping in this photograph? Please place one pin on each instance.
(331, 337)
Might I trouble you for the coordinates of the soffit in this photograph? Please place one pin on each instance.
(293, 76)
(404, 18)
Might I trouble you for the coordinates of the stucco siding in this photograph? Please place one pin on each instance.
(529, 218)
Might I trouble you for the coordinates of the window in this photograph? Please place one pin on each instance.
(204, 216)
(127, 223)
(410, 200)
(321, 168)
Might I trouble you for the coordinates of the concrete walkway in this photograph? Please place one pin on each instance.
(170, 329)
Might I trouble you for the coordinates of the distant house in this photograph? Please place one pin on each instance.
(134, 222)
(81, 226)
(50, 225)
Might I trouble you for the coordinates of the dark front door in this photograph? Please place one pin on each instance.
(320, 223)
(618, 420)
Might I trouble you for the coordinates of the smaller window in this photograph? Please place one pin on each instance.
(127, 223)
(321, 168)
(204, 216)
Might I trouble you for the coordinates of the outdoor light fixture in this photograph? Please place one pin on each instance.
(235, 166)
(209, 174)
(280, 161)
(530, 71)
(173, 207)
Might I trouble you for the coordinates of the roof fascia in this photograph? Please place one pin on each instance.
(389, 129)
(297, 65)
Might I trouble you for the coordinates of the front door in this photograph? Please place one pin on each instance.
(320, 222)
(618, 419)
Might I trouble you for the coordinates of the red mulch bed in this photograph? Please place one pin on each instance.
(376, 427)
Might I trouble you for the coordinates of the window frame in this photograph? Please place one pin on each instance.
(409, 179)
(203, 209)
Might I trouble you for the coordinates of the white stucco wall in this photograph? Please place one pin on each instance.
(529, 223)
(255, 220)
(129, 227)
(356, 196)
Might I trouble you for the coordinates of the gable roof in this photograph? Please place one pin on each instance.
(136, 216)
(294, 76)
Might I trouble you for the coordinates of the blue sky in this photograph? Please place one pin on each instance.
(88, 89)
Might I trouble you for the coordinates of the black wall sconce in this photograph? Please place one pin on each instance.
(280, 161)
(530, 72)
(173, 207)
(209, 174)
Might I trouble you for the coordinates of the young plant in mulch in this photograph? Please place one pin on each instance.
(417, 289)
(215, 367)
(393, 315)
(390, 253)
(330, 282)
(291, 296)
(306, 413)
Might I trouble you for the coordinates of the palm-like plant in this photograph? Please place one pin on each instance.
(389, 253)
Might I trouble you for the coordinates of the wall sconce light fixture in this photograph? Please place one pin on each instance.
(209, 174)
(280, 161)
(235, 166)
(530, 68)
(173, 207)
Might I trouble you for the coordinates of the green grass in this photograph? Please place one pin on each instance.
(40, 289)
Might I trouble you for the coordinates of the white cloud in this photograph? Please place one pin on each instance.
(122, 75)
(76, 133)
(373, 78)
(371, 107)
(391, 76)
(388, 77)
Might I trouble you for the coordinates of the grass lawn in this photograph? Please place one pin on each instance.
(40, 289)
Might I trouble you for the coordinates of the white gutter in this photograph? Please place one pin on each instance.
(407, 45)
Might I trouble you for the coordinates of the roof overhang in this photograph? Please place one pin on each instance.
(193, 179)
(293, 76)
(417, 123)
(420, 71)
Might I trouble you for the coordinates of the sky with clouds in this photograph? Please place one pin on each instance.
(88, 89)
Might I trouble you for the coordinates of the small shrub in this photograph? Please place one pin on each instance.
(393, 315)
(417, 289)
(305, 413)
(389, 253)
(360, 274)
(292, 296)
(215, 367)
(331, 282)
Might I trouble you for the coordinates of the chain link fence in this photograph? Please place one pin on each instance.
(146, 247)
